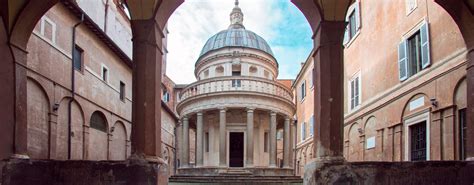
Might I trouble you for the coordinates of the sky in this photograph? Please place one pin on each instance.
(279, 22)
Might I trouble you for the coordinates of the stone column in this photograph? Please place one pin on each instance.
(293, 143)
(273, 139)
(250, 140)
(286, 144)
(199, 140)
(222, 138)
(470, 106)
(146, 107)
(328, 102)
(179, 143)
(185, 141)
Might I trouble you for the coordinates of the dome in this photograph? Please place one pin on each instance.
(236, 37)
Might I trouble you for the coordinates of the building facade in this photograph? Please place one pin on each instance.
(408, 102)
(303, 89)
(79, 81)
(236, 107)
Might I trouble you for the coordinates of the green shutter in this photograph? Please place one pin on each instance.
(402, 61)
(425, 45)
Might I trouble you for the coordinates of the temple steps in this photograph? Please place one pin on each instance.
(235, 179)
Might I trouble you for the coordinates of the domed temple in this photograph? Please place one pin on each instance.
(236, 107)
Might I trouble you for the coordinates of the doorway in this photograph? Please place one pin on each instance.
(236, 149)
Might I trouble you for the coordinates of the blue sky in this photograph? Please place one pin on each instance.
(277, 21)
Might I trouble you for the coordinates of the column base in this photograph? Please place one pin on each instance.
(470, 159)
(20, 156)
(146, 158)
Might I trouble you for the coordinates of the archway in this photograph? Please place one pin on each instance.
(118, 143)
(98, 137)
(326, 18)
(77, 130)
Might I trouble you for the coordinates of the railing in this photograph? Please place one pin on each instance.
(236, 84)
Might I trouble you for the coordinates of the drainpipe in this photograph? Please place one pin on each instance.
(73, 86)
(105, 15)
(295, 137)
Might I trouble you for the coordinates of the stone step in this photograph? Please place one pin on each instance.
(235, 180)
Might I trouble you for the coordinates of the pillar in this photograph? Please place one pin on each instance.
(222, 138)
(250, 140)
(185, 142)
(273, 139)
(328, 101)
(53, 125)
(146, 107)
(286, 144)
(179, 143)
(293, 143)
(199, 140)
(470, 106)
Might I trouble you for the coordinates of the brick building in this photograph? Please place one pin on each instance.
(97, 99)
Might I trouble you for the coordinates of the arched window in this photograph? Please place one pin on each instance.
(98, 121)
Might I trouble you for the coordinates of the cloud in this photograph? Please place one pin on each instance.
(277, 21)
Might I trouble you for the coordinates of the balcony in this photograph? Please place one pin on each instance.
(245, 87)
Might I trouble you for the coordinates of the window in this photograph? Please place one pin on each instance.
(353, 20)
(105, 74)
(280, 134)
(354, 91)
(462, 134)
(166, 96)
(310, 77)
(77, 58)
(48, 29)
(236, 83)
(235, 73)
(311, 125)
(206, 140)
(265, 142)
(122, 91)
(98, 121)
(418, 142)
(303, 131)
(303, 90)
(414, 53)
(410, 6)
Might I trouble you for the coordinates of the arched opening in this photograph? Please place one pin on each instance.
(98, 137)
(38, 121)
(118, 145)
(77, 130)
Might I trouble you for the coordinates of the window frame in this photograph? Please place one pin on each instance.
(45, 19)
(303, 91)
(422, 29)
(81, 52)
(107, 73)
(409, 9)
(122, 90)
(357, 76)
(303, 131)
(354, 9)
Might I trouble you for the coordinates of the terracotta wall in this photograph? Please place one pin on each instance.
(385, 102)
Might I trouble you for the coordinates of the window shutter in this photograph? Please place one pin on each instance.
(425, 45)
(357, 14)
(402, 61)
(346, 34)
(311, 126)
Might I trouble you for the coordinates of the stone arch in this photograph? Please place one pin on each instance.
(370, 132)
(77, 130)
(411, 106)
(118, 143)
(98, 137)
(354, 153)
(460, 94)
(38, 109)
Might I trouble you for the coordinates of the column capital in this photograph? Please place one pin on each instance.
(222, 109)
(199, 113)
(273, 113)
(250, 109)
(185, 118)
